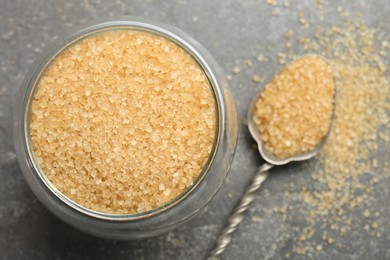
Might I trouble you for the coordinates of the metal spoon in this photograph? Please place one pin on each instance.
(248, 197)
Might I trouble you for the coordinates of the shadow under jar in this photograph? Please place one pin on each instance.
(91, 192)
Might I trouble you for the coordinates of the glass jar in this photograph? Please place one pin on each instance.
(156, 221)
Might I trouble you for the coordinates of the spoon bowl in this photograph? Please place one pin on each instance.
(269, 157)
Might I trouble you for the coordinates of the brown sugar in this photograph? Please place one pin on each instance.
(123, 122)
(293, 112)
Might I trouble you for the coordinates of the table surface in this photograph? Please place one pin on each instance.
(233, 31)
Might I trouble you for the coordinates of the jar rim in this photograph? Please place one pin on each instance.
(170, 33)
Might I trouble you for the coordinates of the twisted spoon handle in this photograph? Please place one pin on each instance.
(238, 213)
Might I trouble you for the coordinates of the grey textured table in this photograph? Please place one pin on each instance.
(233, 31)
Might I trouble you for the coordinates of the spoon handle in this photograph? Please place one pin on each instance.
(237, 215)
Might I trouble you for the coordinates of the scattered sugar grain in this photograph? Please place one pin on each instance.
(367, 228)
(272, 2)
(257, 78)
(256, 219)
(374, 225)
(330, 241)
(245, 121)
(366, 213)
